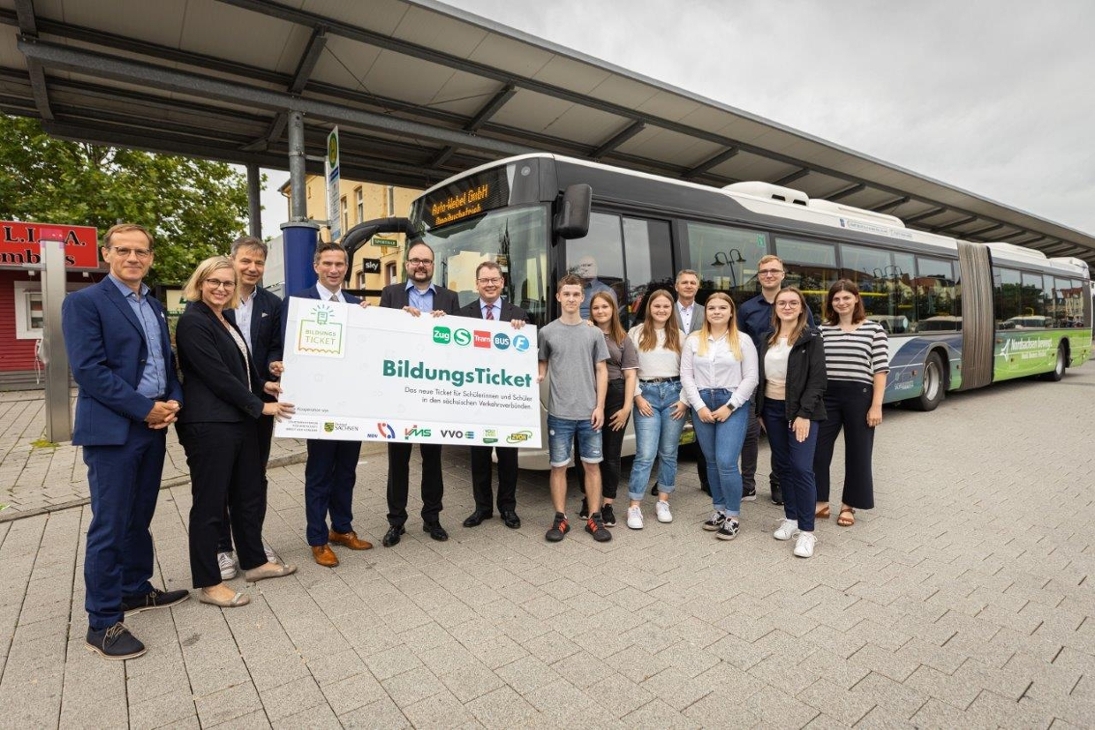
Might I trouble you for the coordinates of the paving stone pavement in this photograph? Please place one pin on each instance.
(965, 599)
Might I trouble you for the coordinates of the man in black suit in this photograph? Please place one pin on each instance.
(417, 295)
(258, 316)
(331, 470)
(489, 282)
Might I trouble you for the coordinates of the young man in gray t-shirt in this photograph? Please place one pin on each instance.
(574, 354)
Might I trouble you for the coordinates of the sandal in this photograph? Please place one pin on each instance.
(822, 513)
(239, 599)
(846, 517)
(270, 570)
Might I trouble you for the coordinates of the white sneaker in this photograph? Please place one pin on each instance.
(786, 530)
(635, 518)
(661, 509)
(271, 556)
(804, 548)
(227, 563)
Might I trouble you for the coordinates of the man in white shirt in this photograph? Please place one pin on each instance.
(690, 319)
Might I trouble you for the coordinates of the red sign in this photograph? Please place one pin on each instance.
(19, 244)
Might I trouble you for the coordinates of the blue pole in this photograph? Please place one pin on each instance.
(299, 240)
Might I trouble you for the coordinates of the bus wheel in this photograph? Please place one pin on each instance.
(1059, 365)
(933, 392)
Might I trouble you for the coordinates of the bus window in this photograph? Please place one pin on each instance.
(1066, 308)
(811, 266)
(937, 294)
(726, 259)
(1006, 290)
(648, 258)
(876, 276)
(1032, 297)
(598, 259)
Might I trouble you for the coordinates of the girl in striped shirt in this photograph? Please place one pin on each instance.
(857, 361)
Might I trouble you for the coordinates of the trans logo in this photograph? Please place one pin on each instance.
(480, 338)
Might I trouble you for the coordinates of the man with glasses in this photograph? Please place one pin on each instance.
(755, 319)
(417, 295)
(120, 352)
(331, 470)
(489, 282)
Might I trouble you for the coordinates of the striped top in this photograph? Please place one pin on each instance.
(857, 355)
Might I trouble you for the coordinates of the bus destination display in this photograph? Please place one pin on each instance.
(466, 198)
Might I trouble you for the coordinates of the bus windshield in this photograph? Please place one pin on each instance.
(514, 237)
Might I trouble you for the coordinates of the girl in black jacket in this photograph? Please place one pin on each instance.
(789, 399)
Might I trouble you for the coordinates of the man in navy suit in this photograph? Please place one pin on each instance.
(331, 470)
(489, 282)
(120, 351)
(417, 295)
(258, 316)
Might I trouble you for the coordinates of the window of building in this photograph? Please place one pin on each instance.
(345, 215)
(359, 201)
(29, 314)
(391, 201)
(361, 280)
(390, 276)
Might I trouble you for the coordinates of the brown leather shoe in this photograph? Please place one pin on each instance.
(325, 556)
(349, 539)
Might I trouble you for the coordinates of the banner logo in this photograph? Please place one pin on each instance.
(520, 343)
(462, 337)
(385, 430)
(442, 335)
(320, 332)
(501, 341)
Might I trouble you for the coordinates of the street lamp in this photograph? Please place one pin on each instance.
(733, 257)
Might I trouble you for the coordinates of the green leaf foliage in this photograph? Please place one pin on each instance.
(194, 208)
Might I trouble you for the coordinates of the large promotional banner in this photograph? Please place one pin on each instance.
(373, 374)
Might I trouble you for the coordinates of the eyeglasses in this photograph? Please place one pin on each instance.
(141, 253)
(789, 305)
(218, 284)
(492, 280)
(769, 272)
(420, 262)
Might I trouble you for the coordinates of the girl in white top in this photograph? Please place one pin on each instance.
(659, 408)
(718, 376)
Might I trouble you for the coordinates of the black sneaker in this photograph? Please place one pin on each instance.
(654, 490)
(608, 516)
(115, 643)
(155, 599)
(595, 526)
(748, 494)
(729, 530)
(777, 494)
(715, 522)
(584, 511)
(559, 528)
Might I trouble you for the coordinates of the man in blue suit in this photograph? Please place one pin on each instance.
(331, 470)
(120, 351)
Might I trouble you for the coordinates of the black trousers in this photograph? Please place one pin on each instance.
(750, 453)
(266, 432)
(701, 460)
(846, 406)
(612, 442)
(481, 478)
(223, 459)
(433, 485)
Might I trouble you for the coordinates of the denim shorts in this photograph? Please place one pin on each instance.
(561, 433)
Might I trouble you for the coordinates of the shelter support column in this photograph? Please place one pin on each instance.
(299, 235)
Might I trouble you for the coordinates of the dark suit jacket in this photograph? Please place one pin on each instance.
(510, 312)
(265, 329)
(394, 296)
(214, 371)
(107, 352)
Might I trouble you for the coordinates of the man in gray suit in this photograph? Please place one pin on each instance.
(690, 319)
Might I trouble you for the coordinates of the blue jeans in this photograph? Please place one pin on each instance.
(794, 461)
(721, 446)
(656, 435)
(561, 432)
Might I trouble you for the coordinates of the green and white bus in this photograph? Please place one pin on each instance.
(960, 315)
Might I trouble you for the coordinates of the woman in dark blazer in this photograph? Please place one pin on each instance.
(220, 433)
(790, 400)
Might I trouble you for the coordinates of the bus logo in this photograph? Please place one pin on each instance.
(501, 341)
(462, 337)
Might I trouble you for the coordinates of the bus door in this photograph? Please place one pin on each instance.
(625, 255)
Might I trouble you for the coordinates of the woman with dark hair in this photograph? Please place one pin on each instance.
(219, 430)
(661, 408)
(789, 399)
(718, 376)
(857, 359)
(623, 364)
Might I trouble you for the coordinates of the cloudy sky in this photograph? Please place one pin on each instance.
(996, 97)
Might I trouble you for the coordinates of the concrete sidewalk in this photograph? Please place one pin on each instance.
(966, 599)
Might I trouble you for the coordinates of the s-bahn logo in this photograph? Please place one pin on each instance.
(462, 337)
(385, 430)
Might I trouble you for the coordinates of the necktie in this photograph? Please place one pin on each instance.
(489, 309)
(334, 297)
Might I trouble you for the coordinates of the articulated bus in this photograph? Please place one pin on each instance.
(960, 315)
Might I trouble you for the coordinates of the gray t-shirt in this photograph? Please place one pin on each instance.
(572, 352)
(621, 357)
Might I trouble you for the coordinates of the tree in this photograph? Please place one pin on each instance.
(194, 208)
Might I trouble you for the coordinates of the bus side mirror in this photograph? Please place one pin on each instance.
(573, 218)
